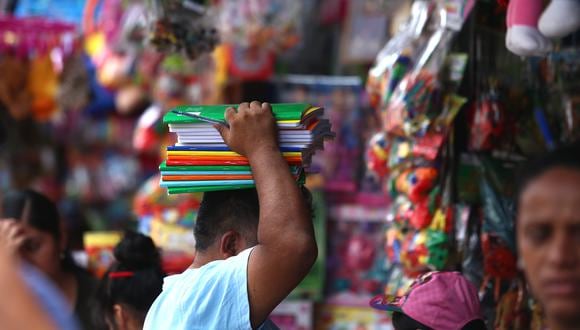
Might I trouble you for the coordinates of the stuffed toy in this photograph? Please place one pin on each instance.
(530, 26)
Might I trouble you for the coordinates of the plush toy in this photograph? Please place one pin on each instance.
(530, 26)
(560, 18)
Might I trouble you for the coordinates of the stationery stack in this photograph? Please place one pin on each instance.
(201, 161)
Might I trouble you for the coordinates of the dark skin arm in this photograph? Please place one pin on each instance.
(286, 247)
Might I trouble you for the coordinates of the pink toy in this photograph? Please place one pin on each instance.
(530, 26)
(523, 37)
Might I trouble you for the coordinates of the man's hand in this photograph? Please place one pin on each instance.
(252, 129)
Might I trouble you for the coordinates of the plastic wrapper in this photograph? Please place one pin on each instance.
(488, 122)
(417, 252)
(398, 55)
(377, 156)
(182, 26)
(408, 71)
(416, 183)
(406, 114)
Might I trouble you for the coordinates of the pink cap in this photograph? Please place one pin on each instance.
(439, 300)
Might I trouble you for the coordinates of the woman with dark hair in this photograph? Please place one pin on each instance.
(548, 234)
(131, 284)
(31, 229)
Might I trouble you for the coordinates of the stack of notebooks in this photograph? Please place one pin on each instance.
(201, 161)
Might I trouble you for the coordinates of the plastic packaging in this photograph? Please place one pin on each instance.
(182, 26)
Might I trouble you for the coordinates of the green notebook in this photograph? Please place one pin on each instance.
(242, 168)
(184, 190)
(282, 111)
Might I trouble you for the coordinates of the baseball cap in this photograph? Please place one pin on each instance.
(439, 300)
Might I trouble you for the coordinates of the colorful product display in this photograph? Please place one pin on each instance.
(201, 161)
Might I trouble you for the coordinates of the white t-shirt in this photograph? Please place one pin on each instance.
(214, 296)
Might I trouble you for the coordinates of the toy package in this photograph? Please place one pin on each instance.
(169, 220)
(294, 315)
(274, 25)
(99, 249)
(182, 27)
(340, 162)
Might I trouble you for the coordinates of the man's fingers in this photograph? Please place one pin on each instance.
(255, 106)
(223, 130)
(266, 107)
(243, 108)
(230, 114)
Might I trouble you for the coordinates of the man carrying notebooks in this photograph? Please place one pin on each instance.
(249, 257)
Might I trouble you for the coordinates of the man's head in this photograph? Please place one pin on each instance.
(227, 222)
(548, 232)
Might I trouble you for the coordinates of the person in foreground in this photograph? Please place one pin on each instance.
(30, 225)
(548, 234)
(248, 257)
(436, 300)
(131, 283)
(29, 300)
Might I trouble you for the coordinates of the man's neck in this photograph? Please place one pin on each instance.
(202, 258)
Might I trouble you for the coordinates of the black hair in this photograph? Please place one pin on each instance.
(39, 211)
(221, 211)
(134, 280)
(567, 157)
(404, 322)
(237, 210)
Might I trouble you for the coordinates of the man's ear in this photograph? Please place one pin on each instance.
(229, 243)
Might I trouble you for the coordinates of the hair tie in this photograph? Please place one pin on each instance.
(120, 274)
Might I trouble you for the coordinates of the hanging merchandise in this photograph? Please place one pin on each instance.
(13, 92)
(249, 63)
(182, 26)
(378, 150)
(69, 11)
(512, 310)
(405, 82)
(273, 25)
(416, 183)
(396, 58)
(413, 85)
(30, 64)
(42, 87)
(488, 122)
(419, 251)
(74, 84)
(498, 237)
(530, 26)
